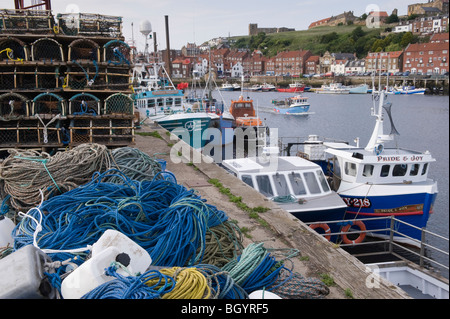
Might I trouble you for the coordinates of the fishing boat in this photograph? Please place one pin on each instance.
(296, 105)
(293, 88)
(297, 185)
(412, 90)
(236, 87)
(246, 118)
(333, 88)
(359, 89)
(254, 88)
(227, 87)
(376, 181)
(267, 87)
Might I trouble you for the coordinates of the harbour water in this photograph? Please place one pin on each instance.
(421, 120)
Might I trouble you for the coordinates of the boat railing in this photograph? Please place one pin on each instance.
(414, 250)
(292, 145)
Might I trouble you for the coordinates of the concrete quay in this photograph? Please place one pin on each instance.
(317, 257)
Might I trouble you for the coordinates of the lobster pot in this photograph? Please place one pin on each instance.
(13, 50)
(117, 52)
(26, 21)
(7, 78)
(47, 50)
(119, 104)
(13, 105)
(24, 77)
(122, 131)
(49, 104)
(85, 76)
(84, 104)
(118, 79)
(84, 50)
(8, 133)
(90, 24)
(47, 77)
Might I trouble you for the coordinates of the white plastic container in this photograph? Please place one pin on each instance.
(6, 228)
(262, 294)
(91, 273)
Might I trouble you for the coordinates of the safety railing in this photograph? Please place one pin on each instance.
(395, 242)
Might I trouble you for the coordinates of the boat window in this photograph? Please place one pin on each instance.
(400, 170)
(264, 186)
(151, 103)
(425, 167)
(297, 184)
(177, 101)
(312, 183)
(385, 170)
(169, 101)
(414, 170)
(160, 102)
(281, 184)
(239, 105)
(323, 181)
(247, 179)
(368, 170)
(350, 168)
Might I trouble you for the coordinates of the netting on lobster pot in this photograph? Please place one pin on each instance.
(47, 49)
(119, 104)
(12, 49)
(84, 104)
(84, 49)
(48, 103)
(117, 52)
(13, 105)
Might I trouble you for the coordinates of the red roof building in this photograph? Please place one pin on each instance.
(426, 58)
(385, 61)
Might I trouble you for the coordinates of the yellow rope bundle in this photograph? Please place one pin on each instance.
(190, 284)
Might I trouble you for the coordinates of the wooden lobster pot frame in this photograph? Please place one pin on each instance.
(84, 50)
(28, 77)
(90, 24)
(13, 105)
(26, 21)
(13, 50)
(46, 49)
(84, 104)
(30, 132)
(49, 104)
(117, 52)
(85, 76)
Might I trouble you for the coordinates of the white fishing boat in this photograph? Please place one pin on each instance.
(333, 88)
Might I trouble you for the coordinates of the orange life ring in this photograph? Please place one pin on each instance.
(360, 237)
(324, 227)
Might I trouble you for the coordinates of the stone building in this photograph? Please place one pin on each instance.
(254, 30)
(419, 8)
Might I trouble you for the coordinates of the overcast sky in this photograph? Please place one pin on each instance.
(200, 20)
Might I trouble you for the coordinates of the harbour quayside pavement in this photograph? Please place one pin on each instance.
(275, 228)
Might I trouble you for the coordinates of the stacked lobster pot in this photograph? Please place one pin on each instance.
(64, 81)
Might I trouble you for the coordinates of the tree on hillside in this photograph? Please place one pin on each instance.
(393, 18)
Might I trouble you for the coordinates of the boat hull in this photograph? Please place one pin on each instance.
(190, 128)
(292, 90)
(292, 110)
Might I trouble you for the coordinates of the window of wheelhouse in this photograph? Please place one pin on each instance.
(160, 102)
(169, 101)
(350, 169)
(264, 185)
(177, 101)
(368, 170)
(385, 170)
(281, 185)
(311, 182)
(297, 184)
(151, 103)
(425, 168)
(247, 179)
(323, 181)
(414, 170)
(400, 170)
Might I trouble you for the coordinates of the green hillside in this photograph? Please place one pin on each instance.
(345, 38)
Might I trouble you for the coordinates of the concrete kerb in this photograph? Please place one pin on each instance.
(324, 257)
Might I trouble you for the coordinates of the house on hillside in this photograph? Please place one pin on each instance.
(334, 62)
(312, 64)
(343, 18)
(355, 67)
(319, 23)
(291, 62)
(391, 62)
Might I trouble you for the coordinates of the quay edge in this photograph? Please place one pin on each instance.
(285, 231)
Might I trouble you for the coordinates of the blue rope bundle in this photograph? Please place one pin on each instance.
(222, 283)
(131, 287)
(163, 217)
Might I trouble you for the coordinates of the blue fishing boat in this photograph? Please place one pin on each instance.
(296, 105)
(377, 182)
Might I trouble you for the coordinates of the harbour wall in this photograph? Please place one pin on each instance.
(276, 228)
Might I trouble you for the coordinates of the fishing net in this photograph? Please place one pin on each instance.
(7, 78)
(47, 77)
(47, 49)
(84, 49)
(86, 75)
(118, 79)
(12, 49)
(84, 104)
(48, 103)
(13, 105)
(119, 104)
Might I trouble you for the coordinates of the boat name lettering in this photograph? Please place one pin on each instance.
(165, 92)
(357, 202)
(398, 158)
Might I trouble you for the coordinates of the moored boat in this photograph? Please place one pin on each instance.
(333, 88)
(296, 105)
(293, 88)
(359, 89)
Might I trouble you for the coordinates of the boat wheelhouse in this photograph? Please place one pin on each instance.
(296, 105)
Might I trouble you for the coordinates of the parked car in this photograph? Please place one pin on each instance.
(407, 73)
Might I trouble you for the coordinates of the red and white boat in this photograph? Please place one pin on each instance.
(293, 87)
